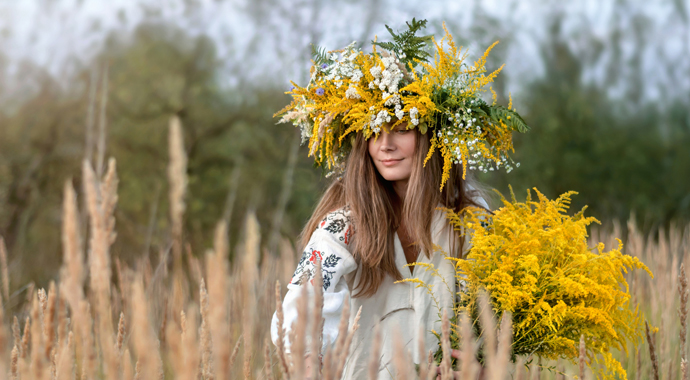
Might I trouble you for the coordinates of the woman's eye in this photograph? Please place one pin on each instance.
(401, 131)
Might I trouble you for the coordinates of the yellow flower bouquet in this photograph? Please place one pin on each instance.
(534, 261)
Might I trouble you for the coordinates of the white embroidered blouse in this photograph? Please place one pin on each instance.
(401, 309)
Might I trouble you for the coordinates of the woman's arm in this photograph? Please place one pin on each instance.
(329, 246)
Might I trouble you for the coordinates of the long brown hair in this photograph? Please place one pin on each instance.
(376, 214)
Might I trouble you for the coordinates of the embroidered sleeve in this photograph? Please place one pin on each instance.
(329, 243)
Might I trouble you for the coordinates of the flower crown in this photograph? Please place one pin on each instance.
(350, 91)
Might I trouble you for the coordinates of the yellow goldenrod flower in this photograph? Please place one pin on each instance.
(534, 261)
(353, 92)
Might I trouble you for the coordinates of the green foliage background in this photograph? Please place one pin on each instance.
(622, 154)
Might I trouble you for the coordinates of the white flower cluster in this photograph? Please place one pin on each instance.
(387, 79)
(399, 113)
(394, 100)
(351, 92)
(342, 68)
(413, 116)
(464, 130)
(378, 120)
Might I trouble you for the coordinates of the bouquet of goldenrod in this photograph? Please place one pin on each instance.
(534, 261)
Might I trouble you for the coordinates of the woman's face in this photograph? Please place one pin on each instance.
(393, 153)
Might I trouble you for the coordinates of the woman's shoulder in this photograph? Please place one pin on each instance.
(337, 224)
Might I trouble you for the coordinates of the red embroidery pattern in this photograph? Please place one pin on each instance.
(314, 254)
(336, 223)
(347, 235)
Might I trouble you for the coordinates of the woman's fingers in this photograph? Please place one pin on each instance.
(456, 375)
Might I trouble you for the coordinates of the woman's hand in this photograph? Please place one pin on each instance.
(307, 367)
(456, 374)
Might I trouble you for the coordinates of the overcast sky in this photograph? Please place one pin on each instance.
(50, 32)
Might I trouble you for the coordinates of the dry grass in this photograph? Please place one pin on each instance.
(187, 318)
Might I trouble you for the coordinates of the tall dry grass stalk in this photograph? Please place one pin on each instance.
(268, 361)
(4, 270)
(69, 333)
(89, 356)
(683, 314)
(582, 359)
(280, 344)
(26, 337)
(248, 280)
(235, 351)
(469, 367)
(498, 369)
(120, 334)
(65, 366)
(39, 365)
(401, 359)
(177, 177)
(206, 370)
(344, 352)
(14, 363)
(217, 272)
(62, 319)
(488, 322)
(145, 342)
(375, 362)
(520, 369)
(190, 349)
(446, 370)
(173, 338)
(73, 273)
(127, 368)
(298, 341)
(101, 199)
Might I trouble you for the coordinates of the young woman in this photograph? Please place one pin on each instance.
(403, 133)
(381, 216)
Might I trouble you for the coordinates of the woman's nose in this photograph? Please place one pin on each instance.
(386, 141)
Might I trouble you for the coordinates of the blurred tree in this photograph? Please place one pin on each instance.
(614, 155)
(163, 72)
(40, 145)
(159, 72)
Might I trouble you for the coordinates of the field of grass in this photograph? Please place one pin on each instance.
(198, 316)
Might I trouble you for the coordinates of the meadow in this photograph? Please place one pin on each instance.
(197, 315)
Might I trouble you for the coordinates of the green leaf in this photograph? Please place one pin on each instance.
(511, 118)
(407, 45)
(320, 55)
(423, 128)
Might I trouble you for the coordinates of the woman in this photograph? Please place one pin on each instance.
(391, 199)
(377, 119)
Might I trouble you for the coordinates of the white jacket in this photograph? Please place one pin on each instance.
(401, 309)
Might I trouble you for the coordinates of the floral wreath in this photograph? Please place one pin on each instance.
(351, 91)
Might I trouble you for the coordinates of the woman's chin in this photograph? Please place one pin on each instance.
(395, 177)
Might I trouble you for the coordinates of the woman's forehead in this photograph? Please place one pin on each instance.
(387, 126)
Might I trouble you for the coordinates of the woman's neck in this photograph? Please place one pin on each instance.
(400, 188)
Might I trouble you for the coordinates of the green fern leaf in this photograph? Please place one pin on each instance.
(407, 45)
(320, 55)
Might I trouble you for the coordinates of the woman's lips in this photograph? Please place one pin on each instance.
(390, 162)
